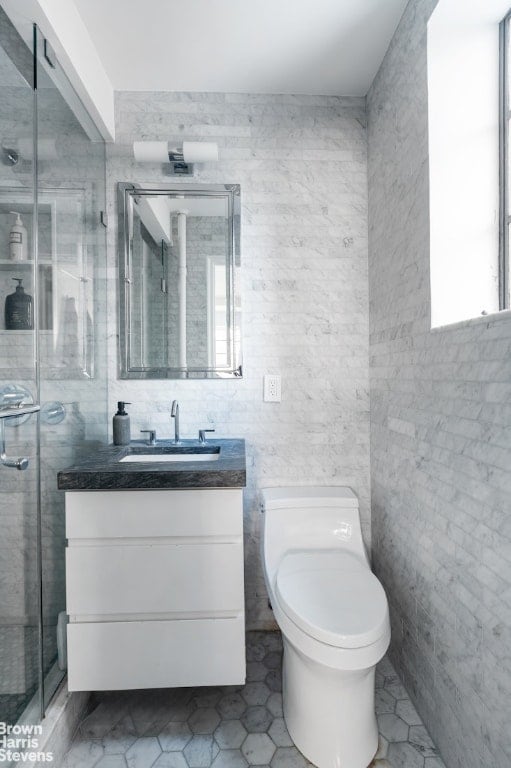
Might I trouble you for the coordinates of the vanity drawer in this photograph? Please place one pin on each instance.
(146, 514)
(163, 578)
(156, 654)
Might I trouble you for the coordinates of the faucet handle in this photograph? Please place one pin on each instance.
(152, 436)
(202, 435)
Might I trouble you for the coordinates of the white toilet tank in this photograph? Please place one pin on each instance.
(307, 518)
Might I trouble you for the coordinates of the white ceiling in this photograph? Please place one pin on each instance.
(330, 47)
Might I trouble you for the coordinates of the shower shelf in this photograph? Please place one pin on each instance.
(65, 271)
(24, 263)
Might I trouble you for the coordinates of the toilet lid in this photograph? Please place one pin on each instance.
(333, 597)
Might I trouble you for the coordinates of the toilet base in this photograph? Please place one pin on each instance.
(329, 713)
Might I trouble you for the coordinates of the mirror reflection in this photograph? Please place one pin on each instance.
(178, 282)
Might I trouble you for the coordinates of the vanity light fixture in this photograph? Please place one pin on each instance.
(181, 159)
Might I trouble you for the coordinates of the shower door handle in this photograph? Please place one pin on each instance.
(17, 410)
(20, 462)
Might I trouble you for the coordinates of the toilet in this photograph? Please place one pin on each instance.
(334, 618)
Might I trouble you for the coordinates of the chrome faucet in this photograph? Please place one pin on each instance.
(151, 440)
(202, 435)
(174, 414)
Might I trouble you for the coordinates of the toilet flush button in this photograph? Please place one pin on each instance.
(344, 531)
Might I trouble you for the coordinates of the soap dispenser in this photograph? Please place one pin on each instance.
(121, 425)
(18, 240)
(18, 309)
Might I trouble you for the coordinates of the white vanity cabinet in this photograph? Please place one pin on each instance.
(155, 593)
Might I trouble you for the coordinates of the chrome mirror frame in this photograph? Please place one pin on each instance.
(126, 192)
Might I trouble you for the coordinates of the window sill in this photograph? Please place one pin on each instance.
(494, 317)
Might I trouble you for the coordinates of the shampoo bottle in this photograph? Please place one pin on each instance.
(18, 240)
(18, 309)
(121, 425)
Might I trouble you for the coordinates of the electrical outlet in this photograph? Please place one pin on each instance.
(271, 389)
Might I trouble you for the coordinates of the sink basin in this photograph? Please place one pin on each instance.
(165, 455)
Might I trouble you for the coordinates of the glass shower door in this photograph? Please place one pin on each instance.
(53, 248)
(52, 175)
(72, 307)
(20, 668)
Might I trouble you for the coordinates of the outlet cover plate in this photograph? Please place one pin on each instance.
(272, 388)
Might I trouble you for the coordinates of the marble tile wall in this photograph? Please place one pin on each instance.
(440, 442)
(301, 163)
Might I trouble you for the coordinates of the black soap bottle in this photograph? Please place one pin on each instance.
(18, 309)
(121, 425)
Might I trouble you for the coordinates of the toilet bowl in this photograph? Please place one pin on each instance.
(333, 615)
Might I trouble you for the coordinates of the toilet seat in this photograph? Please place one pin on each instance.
(333, 597)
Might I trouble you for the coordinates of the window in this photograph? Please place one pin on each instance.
(505, 169)
(468, 280)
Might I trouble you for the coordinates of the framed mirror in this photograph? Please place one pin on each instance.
(179, 261)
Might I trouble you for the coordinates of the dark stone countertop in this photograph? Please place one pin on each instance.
(101, 470)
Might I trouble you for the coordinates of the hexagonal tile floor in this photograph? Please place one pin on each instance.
(233, 727)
